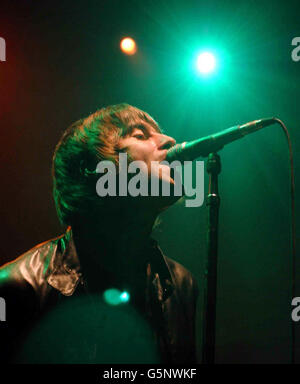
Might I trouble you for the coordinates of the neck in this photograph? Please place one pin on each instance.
(115, 246)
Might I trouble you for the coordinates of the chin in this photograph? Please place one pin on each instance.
(167, 202)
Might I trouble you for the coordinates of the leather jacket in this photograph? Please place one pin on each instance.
(33, 283)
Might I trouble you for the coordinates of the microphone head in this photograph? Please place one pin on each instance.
(175, 152)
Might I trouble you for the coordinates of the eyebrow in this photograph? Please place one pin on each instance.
(143, 127)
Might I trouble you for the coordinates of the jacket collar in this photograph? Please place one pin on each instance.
(66, 272)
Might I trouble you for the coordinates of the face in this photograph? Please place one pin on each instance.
(145, 142)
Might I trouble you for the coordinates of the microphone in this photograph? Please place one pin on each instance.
(213, 143)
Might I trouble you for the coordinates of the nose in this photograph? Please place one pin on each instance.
(166, 142)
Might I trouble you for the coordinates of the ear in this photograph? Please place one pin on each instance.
(85, 171)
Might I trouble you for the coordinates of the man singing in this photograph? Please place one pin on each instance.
(107, 242)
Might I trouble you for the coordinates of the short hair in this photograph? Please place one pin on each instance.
(82, 145)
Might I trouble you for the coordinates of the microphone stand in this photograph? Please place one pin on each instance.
(213, 168)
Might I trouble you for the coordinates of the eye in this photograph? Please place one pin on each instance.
(139, 134)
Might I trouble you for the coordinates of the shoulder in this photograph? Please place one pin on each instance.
(22, 285)
(29, 268)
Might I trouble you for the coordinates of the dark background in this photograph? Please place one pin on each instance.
(63, 62)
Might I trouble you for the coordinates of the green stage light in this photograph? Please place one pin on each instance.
(124, 297)
(115, 297)
(206, 63)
